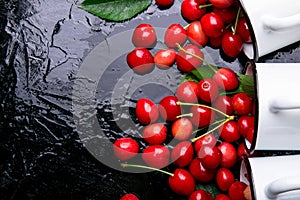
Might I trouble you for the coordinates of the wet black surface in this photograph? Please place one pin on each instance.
(43, 44)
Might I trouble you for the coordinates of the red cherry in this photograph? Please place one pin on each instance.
(129, 196)
(212, 25)
(157, 156)
(180, 178)
(229, 154)
(164, 3)
(222, 197)
(155, 133)
(168, 108)
(199, 195)
(125, 148)
(186, 62)
(241, 151)
(207, 140)
(146, 111)
(236, 191)
(215, 42)
(190, 9)
(187, 92)
(250, 134)
(182, 129)
(182, 154)
(210, 157)
(244, 123)
(221, 3)
(232, 44)
(224, 179)
(140, 60)
(242, 30)
(228, 15)
(242, 104)
(226, 79)
(202, 116)
(224, 104)
(199, 172)
(165, 58)
(229, 131)
(208, 90)
(196, 35)
(144, 35)
(174, 34)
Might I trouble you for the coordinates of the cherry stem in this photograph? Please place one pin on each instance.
(205, 5)
(236, 20)
(186, 27)
(146, 167)
(216, 122)
(185, 115)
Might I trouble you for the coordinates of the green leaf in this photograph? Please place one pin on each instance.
(247, 84)
(209, 187)
(115, 10)
(200, 73)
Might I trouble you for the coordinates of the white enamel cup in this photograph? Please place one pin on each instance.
(272, 178)
(277, 120)
(274, 24)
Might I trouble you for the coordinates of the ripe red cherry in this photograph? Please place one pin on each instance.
(174, 34)
(144, 35)
(196, 35)
(190, 9)
(140, 60)
(164, 3)
(241, 151)
(199, 172)
(250, 134)
(210, 157)
(224, 104)
(182, 129)
(215, 42)
(236, 191)
(187, 92)
(227, 14)
(182, 154)
(129, 196)
(232, 44)
(165, 58)
(242, 30)
(157, 156)
(155, 133)
(226, 79)
(207, 140)
(212, 25)
(208, 90)
(224, 179)
(202, 116)
(221, 3)
(146, 111)
(199, 195)
(125, 148)
(168, 108)
(222, 197)
(229, 131)
(244, 123)
(229, 154)
(242, 104)
(180, 178)
(186, 62)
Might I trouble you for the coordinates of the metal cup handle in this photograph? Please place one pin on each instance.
(280, 105)
(277, 24)
(282, 185)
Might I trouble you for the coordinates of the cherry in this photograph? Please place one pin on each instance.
(168, 108)
(155, 133)
(229, 154)
(241, 151)
(187, 62)
(187, 92)
(224, 179)
(182, 154)
(250, 134)
(215, 42)
(229, 131)
(226, 79)
(221, 3)
(144, 35)
(236, 190)
(182, 182)
(224, 104)
(242, 103)
(199, 172)
(146, 111)
(244, 123)
(228, 15)
(207, 140)
(199, 195)
(210, 157)
(165, 58)
(212, 25)
(222, 197)
(232, 44)
(129, 196)
(125, 148)
(175, 34)
(208, 90)
(202, 116)
(140, 60)
(242, 30)
(191, 11)
(196, 35)
(164, 3)
(182, 129)
(157, 156)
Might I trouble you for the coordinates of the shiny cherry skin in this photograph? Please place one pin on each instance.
(181, 178)
(212, 25)
(144, 35)
(242, 151)
(215, 42)
(174, 34)
(222, 197)
(208, 90)
(199, 172)
(224, 104)
(182, 129)
(228, 15)
(140, 60)
(221, 3)
(226, 79)
(125, 148)
(201, 116)
(232, 44)
(168, 108)
(242, 30)
(157, 156)
(165, 58)
(164, 3)
(146, 111)
(229, 154)
(196, 34)
(207, 140)
(242, 104)
(236, 190)
(250, 134)
(187, 92)
(186, 62)
(229, 132)
(210, 157)
(224, 179)
(182, 154)
(155, 133)
(244, 123)
(190, 9)
(129, 196)
(199, 195)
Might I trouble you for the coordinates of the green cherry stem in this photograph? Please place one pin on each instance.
(205, 5)
(236, 20)
(216, 122)
(185, 115)
(146, 167)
